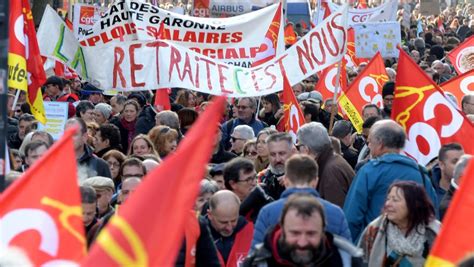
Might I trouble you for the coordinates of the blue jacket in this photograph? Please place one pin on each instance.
(368, 191)
(270, 216)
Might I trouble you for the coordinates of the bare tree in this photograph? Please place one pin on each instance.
(38, 8)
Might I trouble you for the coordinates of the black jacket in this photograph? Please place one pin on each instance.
(254, 202)
(272, 185)
(93, 165)
(222, 156)
(146, 120)
(206, 253)
(14, 141)
(349, 154)
(444, 204)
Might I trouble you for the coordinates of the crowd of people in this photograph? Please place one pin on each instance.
(335, 198)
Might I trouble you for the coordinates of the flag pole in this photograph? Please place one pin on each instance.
(4, 17)
(334, 98)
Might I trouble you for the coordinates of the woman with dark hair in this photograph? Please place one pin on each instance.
(186, 98)
(127, 123)
(114, 159)
(404, 233)
(269, 112)
(187, 116)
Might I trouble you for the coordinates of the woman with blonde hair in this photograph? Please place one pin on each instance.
(141, 145)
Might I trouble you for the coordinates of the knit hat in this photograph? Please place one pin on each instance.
(388, 89)
(105, 109)
(55, 80)
(341, 129)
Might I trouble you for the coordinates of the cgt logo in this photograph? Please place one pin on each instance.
(86, 15)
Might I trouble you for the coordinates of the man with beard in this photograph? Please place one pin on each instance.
(280, 148)
(300, 239)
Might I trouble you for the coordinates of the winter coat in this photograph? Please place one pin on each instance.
(93, 165)
(367, 194)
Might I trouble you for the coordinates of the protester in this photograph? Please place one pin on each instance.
(366, 195)
(262, 160)
(33, 152)
(387, 96)
(443, 171)
(455, 181)
(300, 240)
(250, 150)
(89, 211)
(217, 175)
(142, 145)
(129, 186)
(405, 232)
(127, 122)
(240, 135)
(187, 117)
(117, 103)
(107, 138)
(114, 159)
(208, 188)
(270, 112)
(467, 104)
(85, 111)
(102, 113)
(164, 139)
(25, 125)
(300, 177)
(342, 130)
(231, 233)
(335, 174)
(104, 188)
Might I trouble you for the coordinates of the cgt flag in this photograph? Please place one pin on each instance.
(428, 118)
(144, 235)
(460, 85)
(451, 246)
(462, 57)
(269, 47)
(25, 66)
(293, 117)
(365, 89)
(41, 212)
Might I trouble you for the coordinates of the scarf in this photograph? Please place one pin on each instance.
(411, 246)
(130, 127)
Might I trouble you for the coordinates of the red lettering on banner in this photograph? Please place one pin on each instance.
(273, 77)
(225, 38)
(222, 78)
(280, 64)
(105, 38)
(133, 66)
(118, 32)
(197, 72)
(157, 45)
(117, 70)
(93, 40)
(253, 51)
(175, 58)
(187, 69)
(306, 54)
(189, 37)
(231, 54)
(321, 48)
(208, 71)
(236, 37)
(254, 78)
(212, 38)
(336, 26)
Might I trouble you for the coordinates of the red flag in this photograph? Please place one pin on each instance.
(162, 99)
(268, 48)
(327, 81)
(64, 71)
(365, 89)
(290, 35)
(362, 4)
(462, 57)
(68, 24)
(303, 24)
(428, 118)
(451, 246)
(460, 85)
(24, 61)
(41, 212)
(144, 235)
(293, 117)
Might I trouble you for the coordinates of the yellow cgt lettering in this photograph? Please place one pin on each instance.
(115, 250)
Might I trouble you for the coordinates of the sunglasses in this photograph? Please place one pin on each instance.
(235, 138)
(251, 153)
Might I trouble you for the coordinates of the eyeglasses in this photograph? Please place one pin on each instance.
(248, 180)
(233, 139)
(250, 153)
(113, 164)
(242, 107)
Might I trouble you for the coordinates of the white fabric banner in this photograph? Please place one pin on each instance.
(234, 40)
(385, 12)
(380, 36)
(84, 17)
(141, 65)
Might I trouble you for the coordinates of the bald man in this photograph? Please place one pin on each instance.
(129, 186)
(368, 190)
(232, 233)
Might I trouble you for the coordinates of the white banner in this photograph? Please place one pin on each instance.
(226, 8)
(234, 40)
(385, 12)
(143, 65)
(373, 37)
(84, 17)
(56, 114)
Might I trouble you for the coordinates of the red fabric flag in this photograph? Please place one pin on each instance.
(68, 24)
(451, 246)
(268, 48)
(428, 118)
(293, 117)
(327, 81)
(462, 57)
(64, 71)
(162, 99)
(460, 85)
(365, 89)
(290, 35)
(41, 211)
(144, 235)
(303, 24)
(25, 63)
(362, 4)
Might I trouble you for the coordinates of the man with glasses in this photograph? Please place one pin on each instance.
(467, 104)
(239, 136)
(387, 96)
(246, 110)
